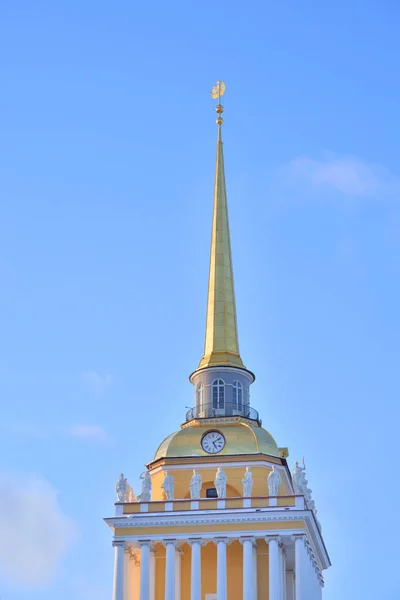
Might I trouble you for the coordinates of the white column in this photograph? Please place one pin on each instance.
(283, 572)
(178, 568)
(127, 574)
(248, 567)
(144, 546)
(152, 585)
(320, 586)
(319, 581)
(315, 579)
(289, 585)
(300, 567)
(311, 571)
(221, 568)
(255, 580)
(274, 567)
(170, 569)
(119, 560)
(195, 584)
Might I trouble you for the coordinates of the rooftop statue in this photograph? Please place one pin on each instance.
(274, 481)
(300, 485)
(121, 488)
(220, 483)
(145, 496)
(195, 485)
(168, 486)
(247, 483)
(299, 479)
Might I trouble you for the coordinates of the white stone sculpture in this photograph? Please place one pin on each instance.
(121, 488)
(300, 485)
(247, 483)
(220, 483)
(274, 481)
(168, 486)
(195, 485)
(299, 479)
(145, 496)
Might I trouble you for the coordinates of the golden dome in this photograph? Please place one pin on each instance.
(241, 438)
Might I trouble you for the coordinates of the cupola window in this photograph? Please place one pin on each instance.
(199, 395)
(237, 395)
(218, 397)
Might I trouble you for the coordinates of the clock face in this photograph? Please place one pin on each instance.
(213, 442)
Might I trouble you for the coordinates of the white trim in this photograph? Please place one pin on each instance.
(226, 516)
(225, 369)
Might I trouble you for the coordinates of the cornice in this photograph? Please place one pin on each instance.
(214, 421)
(170, 521)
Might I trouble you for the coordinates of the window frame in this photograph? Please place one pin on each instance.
(237, 396)
(218, 403)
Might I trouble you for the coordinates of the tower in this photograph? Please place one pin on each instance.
(220, 515)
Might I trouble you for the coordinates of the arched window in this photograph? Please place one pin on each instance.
(237, 395)
(199, 394)
(218, 396)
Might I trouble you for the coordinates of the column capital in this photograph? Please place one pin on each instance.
(119, 544)
(142, 543)
(273, 538)
(300, 536)
(248, 538)
(225, 540)
(174, 542)
(192, 541)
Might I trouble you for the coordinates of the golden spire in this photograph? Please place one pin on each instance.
(221, 345)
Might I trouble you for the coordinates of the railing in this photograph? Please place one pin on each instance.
(271, 503)
(222, 409)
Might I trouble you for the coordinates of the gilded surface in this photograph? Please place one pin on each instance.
(241, 438)
(218, 90)
(221, 342)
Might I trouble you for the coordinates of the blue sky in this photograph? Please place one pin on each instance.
(106, 176)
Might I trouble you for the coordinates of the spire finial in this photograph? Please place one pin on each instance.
(221, 342)
(217, 91)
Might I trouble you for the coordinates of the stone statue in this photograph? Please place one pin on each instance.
(300, 485)
(195, 485)
(220, 483)
(121, 488)
(247, 483)
(299, 479)
(145, 496)
(168, 486)
(274, 481)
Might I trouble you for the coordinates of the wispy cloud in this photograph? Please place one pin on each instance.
(31, 515)
(348, 175)
(98, 382)
(87, 432)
